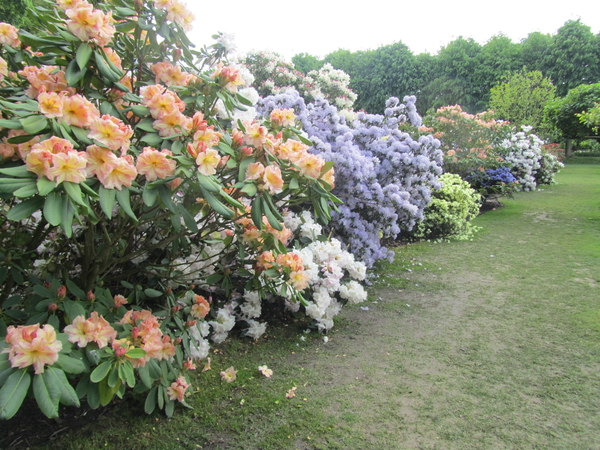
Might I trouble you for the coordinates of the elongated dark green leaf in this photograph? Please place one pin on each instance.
(8, 186)
(270, 216)
(84, 52)
(13, 393)
(74, 74)
(136, 353)
(152, 139)
(215, 204)
(144, 374)
(47, 404)
(123, 199)
(19, 172)
(25, 208)
(20, 139)
(74, 191)
(113, 376)
(76, 290)
(26, 191)
(150, 403)
(53, 208)
(149, 196)
(104, 68)
(34, 124)
(257, 212)
(153, 293)
(188, 219)
(70, 365)
(11, 124)
(66, 223)
(100, 372)
(45, 186)
(107, 200)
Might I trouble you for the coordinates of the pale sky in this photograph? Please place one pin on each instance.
(319, 27)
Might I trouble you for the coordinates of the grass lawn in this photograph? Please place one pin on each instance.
(489, 343)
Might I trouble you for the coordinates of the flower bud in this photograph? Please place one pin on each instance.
(175, 309)
(61, 292)
(177, 341)
(138, 4)
(177, 54)
(91, 296)
(120, 351)
(52, 307)
(47, 284)
(190, 323)
(135, 332)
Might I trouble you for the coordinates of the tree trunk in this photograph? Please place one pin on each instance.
(569, 149)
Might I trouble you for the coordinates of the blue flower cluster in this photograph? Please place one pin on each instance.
(492, 177)
(382, 174)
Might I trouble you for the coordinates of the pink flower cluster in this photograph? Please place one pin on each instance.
(176, 12)
(9, 35)
(177, 389)
(87, 23)
(95, 329)
(32, 346)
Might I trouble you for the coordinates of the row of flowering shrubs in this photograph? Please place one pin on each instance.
(138, 221)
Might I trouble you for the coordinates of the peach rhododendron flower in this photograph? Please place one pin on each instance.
(329, 177)
(116, 174)
(256, 134)
(208, 162)
(177, 389)
(171, 123)
(265, 371)
(68, 167)
(206, 367)
(229, 374)
(111, 132)
(291, 393)
(9, 35)
(48, 77)
(310, 165)
(95, 329)
(97, 158)
(50, 104)
(255, 171)
(272, 179)
(163, 103)
(3, 69)
(7, 151)
(155, 165)
(283, 117)
(32, 346)
(299, 279)
(228, 77)
(200, 308)
(79, 111)
(188, 364)
(170, 75)
(119, 301)
(88, 23)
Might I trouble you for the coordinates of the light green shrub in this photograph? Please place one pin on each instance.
(450, 211)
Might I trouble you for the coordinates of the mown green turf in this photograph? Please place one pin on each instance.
(490, 343)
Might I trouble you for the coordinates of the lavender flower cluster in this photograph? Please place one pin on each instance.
(492, 177)
(383, 175)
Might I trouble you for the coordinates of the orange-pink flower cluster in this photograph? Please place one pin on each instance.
(9, 35)
(89, 24)
(177, 389)
(48, 77)
(94, 329)
(177, 12)
(228, 77)
(145, 334)
(57, 160)
(32, 346)
(200, 308)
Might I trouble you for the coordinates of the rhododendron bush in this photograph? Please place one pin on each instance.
(140, 219)
(383, 175)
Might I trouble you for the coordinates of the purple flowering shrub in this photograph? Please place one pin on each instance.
(493, 182)
(383, 175)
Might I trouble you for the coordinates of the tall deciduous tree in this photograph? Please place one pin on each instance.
(575, 57)
(564, 112)
(521, 99)
(305, 62)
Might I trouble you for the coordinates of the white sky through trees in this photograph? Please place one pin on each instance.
(319, 27)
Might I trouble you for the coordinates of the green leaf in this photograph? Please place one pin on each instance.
(170, 408)
(10, 185)
(143, 111)
(188, 219)
(20, 139)
(76, 290)
(74, 74)
(19, 172)
(153, 293)
(152, 139)
(215, 204)
(26, 191)
(107, 200)
(68, 396)
(136, 353)
(74, 191)
(74, 308)
(270, 216)
(25, 208)
(149, 196)
(53, 208)
(13, 393)
(70, 365)
(100, 372)
(123, 199)
(144, 373)
(105, 69)
(34, 124)
(256, 212)
(106, 392)
(113, 377)
(150, 403)
(84, 52)
(11, 124)
(93, 396)
(250, 189)
(47, 404)
(66, 223)
(45, 186)
(81, 134)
